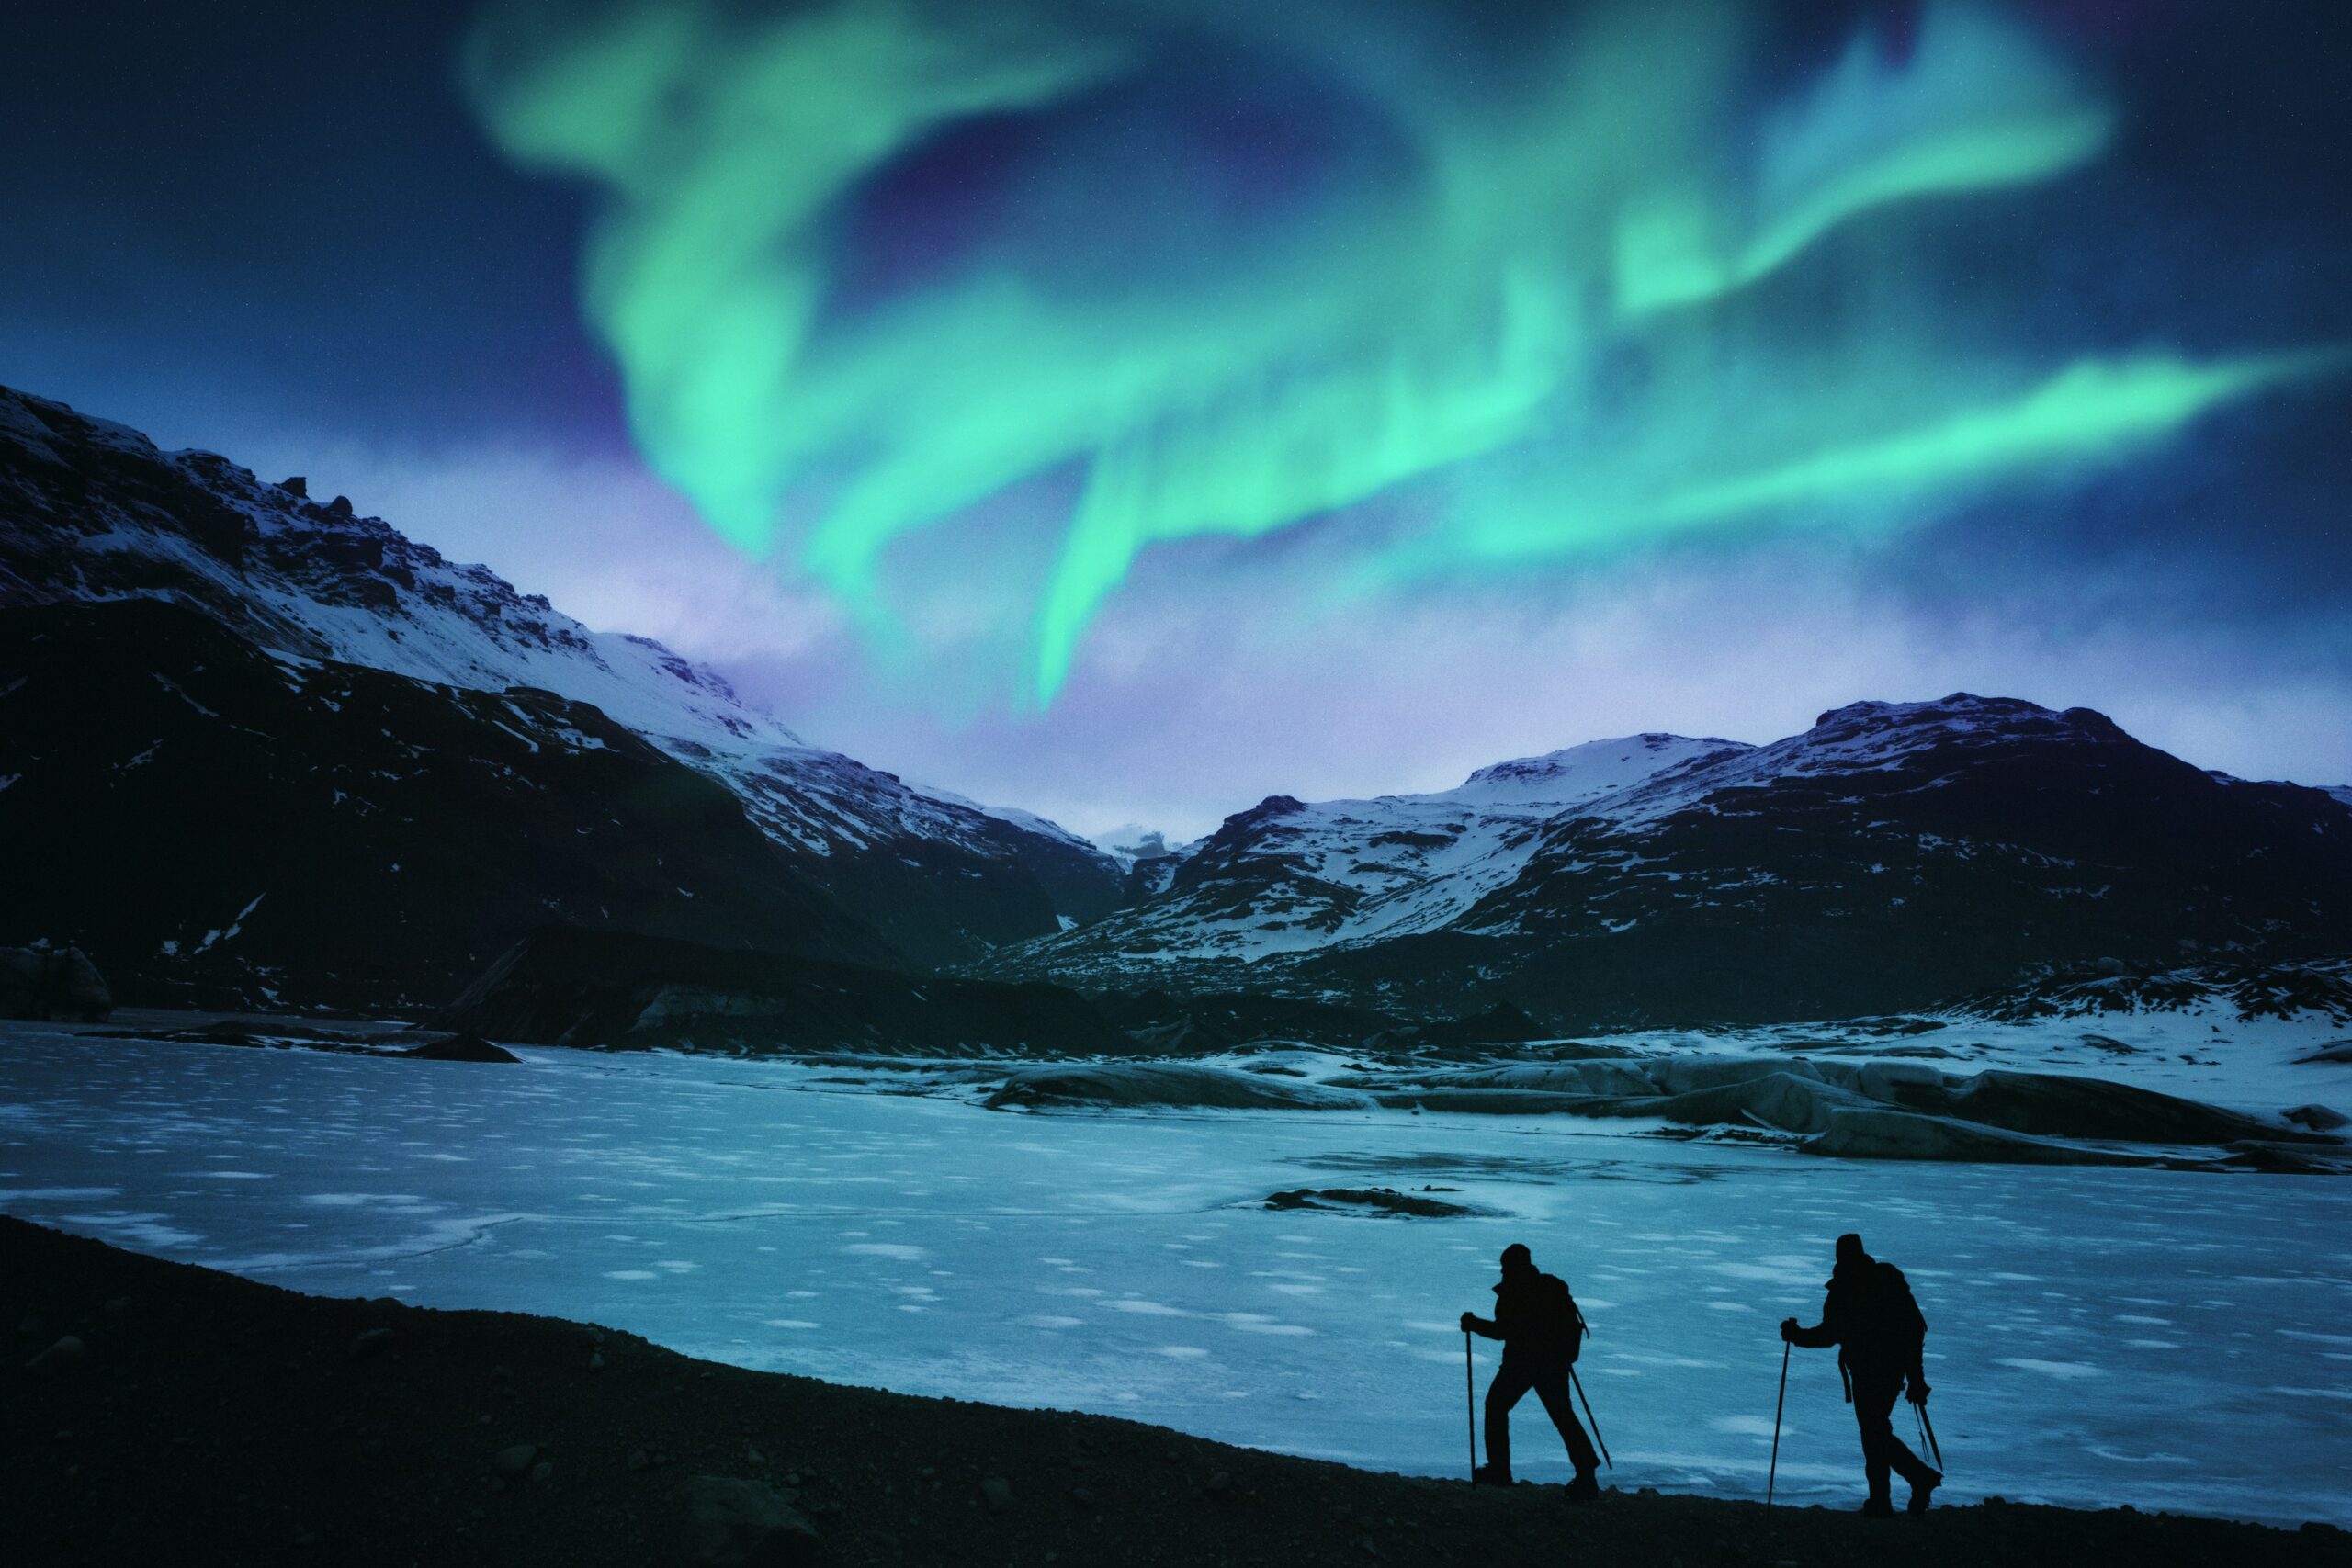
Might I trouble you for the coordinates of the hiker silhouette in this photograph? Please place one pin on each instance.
(1880, 1337)
(1536, 1319)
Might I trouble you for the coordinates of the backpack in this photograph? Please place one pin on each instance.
(1892, 1328)
(1561, 1311)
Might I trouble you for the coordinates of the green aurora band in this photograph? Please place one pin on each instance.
(1440, 324)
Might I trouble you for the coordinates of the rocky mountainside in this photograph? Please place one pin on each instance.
(1892, 855)
(1285, 876)
(2240, 993)
(216, 825)
(188, 651)
(257, 746)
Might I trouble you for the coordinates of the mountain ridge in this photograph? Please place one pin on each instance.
(93, 513)
(1890, 856)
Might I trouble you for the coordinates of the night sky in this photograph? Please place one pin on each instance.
(1130, 409)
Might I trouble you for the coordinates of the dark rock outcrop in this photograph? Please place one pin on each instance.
(462, 1048)
(1880, 1110)
(53, 983)
(1385, 1201)
(734, 1523)
(1166, 1083)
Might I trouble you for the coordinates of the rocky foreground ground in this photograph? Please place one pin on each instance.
(160, 1412)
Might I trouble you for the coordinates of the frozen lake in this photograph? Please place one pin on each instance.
(2170, 1339)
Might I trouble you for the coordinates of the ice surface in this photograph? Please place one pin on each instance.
(2173, 1339)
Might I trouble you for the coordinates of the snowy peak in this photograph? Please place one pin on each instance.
(1288, 875)
(1889, 855)
(1959, 719)
(1590, 770)
(97, 511)
(1870, 749)
(93, 512)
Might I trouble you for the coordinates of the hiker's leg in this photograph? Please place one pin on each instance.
(1559, 1403)
(1510, 1383)
(1908, 1465)
(1874, 1403)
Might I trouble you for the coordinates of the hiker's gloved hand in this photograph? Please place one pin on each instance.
(1918, 1394)
(1469, 1322)
(1788, 1330)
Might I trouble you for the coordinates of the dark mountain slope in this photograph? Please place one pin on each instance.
(93, 512)
(217, 825)
(619, 991)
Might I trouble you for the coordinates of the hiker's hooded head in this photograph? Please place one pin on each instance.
(1518, 1261)
(1849, 1251)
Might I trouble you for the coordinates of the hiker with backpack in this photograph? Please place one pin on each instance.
(1542, 1331)
(1881, 1336)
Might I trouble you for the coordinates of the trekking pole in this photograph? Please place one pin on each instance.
(1578, 1383)
(1928, 1431)
(1470, 1402)
(1773, 1476)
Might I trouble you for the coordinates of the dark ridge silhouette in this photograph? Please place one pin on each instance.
(1178, 1025)
(567, 986)
(53, 983)
(342, 836)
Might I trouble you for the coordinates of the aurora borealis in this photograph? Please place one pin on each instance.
(1133, 408)
(866, 265)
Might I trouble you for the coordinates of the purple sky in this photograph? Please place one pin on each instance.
(225, 235)
(1206, 689)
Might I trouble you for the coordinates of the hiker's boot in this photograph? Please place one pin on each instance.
(1923, 1489)
(1585, 1488)
(1488, 1475)
(1878, 1508)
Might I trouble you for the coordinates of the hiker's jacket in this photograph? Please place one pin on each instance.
(1536, 1320)
(1872, 1319)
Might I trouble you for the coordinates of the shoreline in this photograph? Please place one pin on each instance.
(223, 1418)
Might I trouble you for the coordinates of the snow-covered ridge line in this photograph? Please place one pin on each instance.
(92, 510)
(1352, 871)
(1976, 811)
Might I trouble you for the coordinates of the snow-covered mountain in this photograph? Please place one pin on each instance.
(1893, 854)
(93, 515)
(1285, 876)
(236, 721)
